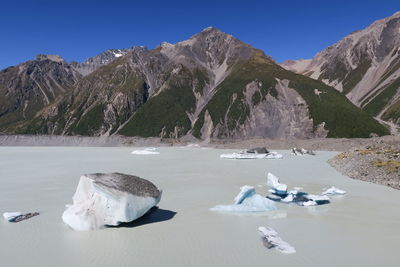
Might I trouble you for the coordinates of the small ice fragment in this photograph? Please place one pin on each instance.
(18, 216)
(244, 155)
(273, 155)
(309, 203)
(9, 216)
(146, 151)
(333, 191)
(272, 240)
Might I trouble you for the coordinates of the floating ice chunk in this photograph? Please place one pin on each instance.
(316, 197)
(309, 203)
(10, 216)
(247, 201)
(301, 152)
(315, 200)
(273, 181)
(243, 155)
(273, 155)
(146, 151)
(18, 216)
(334, 191)
(258, 150)
(288, 199)
(109, 199)
(272, 240)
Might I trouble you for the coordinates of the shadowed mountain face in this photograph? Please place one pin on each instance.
(365, 66)
(209, 86)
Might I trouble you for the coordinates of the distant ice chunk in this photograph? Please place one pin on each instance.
(273, 155)
(247, 201)
(146, 151)
(301, 152)
(258, 150)
(244, 155)
(272, 240)
(241, 156)
(334, 191)
(109, 199)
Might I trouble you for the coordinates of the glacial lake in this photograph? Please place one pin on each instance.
(361, 228)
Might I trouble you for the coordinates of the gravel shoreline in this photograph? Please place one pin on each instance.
(377, 162)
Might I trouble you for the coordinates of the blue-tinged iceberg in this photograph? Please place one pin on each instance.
(247, 201)
(276, 186)
(279, 193)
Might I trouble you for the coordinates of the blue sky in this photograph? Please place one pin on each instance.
(80, 29)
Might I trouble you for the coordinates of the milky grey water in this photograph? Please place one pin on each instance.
(359, 229)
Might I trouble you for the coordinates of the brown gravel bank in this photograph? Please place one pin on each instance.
(378, 162)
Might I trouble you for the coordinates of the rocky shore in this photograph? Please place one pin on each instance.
(377, 162)
(327, 144)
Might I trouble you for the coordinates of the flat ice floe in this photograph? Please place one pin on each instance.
(247, 201)
(18, 216)
(109, 199)
(243, 155)
(146, 151)
(334, 191)
(272, 240)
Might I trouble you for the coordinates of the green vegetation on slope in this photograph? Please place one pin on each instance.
(167, 109)
(381, 100)
(355, 76)
(90, 122)
(393, 112)
(341, 117)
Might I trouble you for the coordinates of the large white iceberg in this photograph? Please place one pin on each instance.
(248, 201)
(272, 240)
(334, 191)
(146, 151)
(109, 199)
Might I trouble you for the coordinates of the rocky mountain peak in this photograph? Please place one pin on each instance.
(55, 58)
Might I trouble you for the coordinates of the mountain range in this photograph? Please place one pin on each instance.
(210, 86)
(365, 66)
